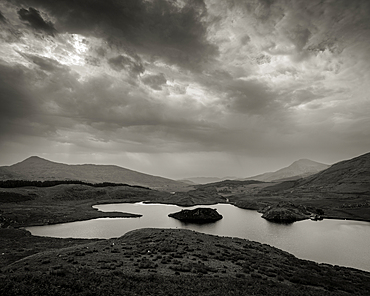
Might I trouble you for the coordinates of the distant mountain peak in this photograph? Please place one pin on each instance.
(299, 168)
(350, 176)
(35, 158)
(35, 168)
(205, 180)
(304, 160)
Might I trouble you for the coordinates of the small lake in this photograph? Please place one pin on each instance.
(339, 242)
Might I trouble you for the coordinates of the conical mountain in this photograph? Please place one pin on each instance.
(298, 169)
(36, 168)
(348, 176)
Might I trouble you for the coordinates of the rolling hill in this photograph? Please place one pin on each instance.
(348, 176)
(36, 168)
(345, 177)
(298, 169)
(205, 180)
(171, 262)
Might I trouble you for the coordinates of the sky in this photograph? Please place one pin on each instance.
(185, 88)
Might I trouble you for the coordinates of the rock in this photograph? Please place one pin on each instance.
(198, 215)
(284, 213)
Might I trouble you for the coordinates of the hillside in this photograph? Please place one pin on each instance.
(348, 176)
(6, 174)
(205, 180)
(36, 168)
(298, 169)
(176, 262)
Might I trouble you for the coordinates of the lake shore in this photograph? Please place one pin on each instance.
(170, 261)
(70, 203)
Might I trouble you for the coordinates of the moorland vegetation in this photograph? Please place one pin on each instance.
(188, 263)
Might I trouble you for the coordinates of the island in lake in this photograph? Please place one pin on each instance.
(198, 215)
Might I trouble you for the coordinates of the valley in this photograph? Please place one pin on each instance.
(339, 192)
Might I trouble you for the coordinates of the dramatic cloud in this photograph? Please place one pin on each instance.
(2, 18)
(120, 63)
(33, 17)
(168, 30)
(154, 81)
(184, 88)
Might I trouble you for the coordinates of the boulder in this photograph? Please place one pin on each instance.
(198, 215)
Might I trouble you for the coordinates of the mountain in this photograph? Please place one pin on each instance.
(5, 174)
(298, 169)
(36, 168)
(204, 180)
(348, 176)
(186, 181)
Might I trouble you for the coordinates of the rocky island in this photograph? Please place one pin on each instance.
(198, 215)
(285, 212)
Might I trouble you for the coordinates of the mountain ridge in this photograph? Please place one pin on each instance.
(298, 169)
(346, 175)
(205, 180)
(37, 168)
(349, 177)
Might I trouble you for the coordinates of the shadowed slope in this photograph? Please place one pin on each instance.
(36, 168)
(348, 176)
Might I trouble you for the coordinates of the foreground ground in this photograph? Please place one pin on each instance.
(174, 262)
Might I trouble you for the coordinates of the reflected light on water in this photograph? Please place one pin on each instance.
(340, 242)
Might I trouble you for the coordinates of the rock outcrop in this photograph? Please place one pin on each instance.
(198, 215)
(285, 213)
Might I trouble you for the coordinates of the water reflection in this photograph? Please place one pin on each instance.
(340, 242)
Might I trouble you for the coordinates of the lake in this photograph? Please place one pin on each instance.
(339, 242)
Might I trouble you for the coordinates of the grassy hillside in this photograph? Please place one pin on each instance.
(348, 176)
(36, 168)
(298, 169)
(65, 203)
(176, 262)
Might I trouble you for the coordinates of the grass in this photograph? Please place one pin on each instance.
(16, 244)
(115, 283)
(140, 262)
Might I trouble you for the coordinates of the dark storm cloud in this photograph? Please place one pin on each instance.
(155, 81)
(35, 20)
(157, 28)
(107, 105)
(19, 109)
(240, 96)
(119, 63)
(309, 26)
(249, 97)
(14, 102)
(2, 18)
(43, 101)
